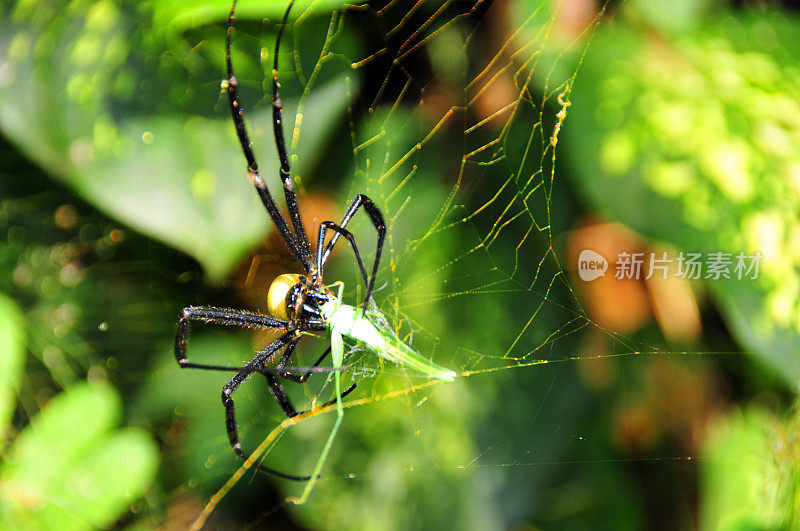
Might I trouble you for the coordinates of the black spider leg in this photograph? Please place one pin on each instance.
(295, 377)
(338, 231)
(287, 373)
(244, 319)
(277, 390)
(219, 316)
(297, 243)
(227, 400)
(280, 145)
(283, 399)
(380, 226)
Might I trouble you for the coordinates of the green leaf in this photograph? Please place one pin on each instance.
(695, 142)
(182, 14)
(134, 120)
(674, 16)
(12, 357)
(109, 479)
(70, 469)
(64, 430)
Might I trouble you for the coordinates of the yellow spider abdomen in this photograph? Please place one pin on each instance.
(278, 296)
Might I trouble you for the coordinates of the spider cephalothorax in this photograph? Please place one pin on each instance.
(293, 296)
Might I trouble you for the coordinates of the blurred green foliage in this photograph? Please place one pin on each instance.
(12, 355)
(751, 474)
(683, 124)
(70, 468)
(696, 145)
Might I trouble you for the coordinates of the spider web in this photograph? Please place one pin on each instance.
(452, 122)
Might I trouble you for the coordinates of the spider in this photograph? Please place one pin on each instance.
(299, 302)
